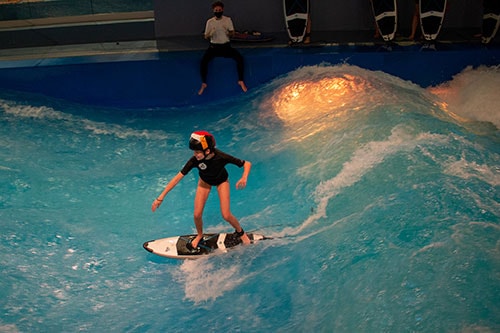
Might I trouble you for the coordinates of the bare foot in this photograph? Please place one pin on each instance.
(196, 241)
(307, 40)
(203, 86)
(245, 239)
(243, 86)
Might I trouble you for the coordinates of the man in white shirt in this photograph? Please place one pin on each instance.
(218, 30)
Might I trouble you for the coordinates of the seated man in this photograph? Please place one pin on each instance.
(218, 30)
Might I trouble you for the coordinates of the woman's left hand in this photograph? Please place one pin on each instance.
(241, 184)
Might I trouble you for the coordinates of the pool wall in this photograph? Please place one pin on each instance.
(171, 79)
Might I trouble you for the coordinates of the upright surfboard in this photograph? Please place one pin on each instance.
(431, 17)
(296, 16)
(175, 247)
(386, 17)
(491, 20)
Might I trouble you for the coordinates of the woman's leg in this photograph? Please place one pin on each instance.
(200, 199)
(225, 207)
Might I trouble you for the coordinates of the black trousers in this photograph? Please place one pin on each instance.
(221, 50)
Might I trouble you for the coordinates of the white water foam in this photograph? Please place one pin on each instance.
(471, 169)
(5, 328)
(473, 94)
(363, 160)
(78, 123)
(203, 281)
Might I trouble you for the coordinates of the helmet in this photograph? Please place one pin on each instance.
(201, 140)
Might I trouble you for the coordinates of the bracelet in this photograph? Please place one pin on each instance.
(159, 200)
(239, 234)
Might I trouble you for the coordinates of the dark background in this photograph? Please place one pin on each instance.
(173, 21)
(188, 17)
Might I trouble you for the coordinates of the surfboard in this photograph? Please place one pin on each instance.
(253, 37)
(175, 247)
(491, 20)
(296, 16)
(386, 17)
(431, 17)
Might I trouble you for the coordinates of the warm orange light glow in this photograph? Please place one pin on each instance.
(303, 105)
(443, 106)
(445, 93)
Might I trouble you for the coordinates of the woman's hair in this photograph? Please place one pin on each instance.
(217, 4)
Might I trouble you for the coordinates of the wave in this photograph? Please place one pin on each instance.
(314, 92)
(465, 169)
(75, 123)
(364, 159)
(473, 94)
(363, 117)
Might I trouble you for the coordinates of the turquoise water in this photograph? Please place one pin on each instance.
(382, 197)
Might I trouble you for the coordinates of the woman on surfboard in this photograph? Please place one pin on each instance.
(210, 163)
(218, 30)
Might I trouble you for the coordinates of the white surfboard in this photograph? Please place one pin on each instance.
(296, 17)
(431, 17)
(491, 20)
(386, 17)
(175, 247)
